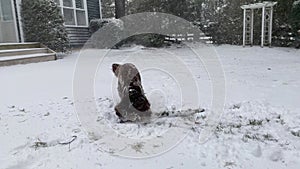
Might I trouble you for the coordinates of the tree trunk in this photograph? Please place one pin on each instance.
(120, 8)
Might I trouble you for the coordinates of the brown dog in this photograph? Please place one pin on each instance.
(134, 105)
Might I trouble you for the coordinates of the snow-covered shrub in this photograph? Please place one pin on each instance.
(147, 40)
(96, 24)
(283, 36)
(42, 22)
(112, 28)
(295, 22)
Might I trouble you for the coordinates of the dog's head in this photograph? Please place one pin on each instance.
(115, 69)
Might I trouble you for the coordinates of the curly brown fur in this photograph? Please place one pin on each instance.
(134, 105)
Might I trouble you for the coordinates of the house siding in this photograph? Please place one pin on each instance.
(78, 35)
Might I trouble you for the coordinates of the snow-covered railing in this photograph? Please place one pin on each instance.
(189, 37)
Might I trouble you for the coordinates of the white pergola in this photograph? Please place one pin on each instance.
(267, 20)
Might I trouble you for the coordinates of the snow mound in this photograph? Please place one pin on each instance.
(245, 130)
(257, 121)
(160, 123)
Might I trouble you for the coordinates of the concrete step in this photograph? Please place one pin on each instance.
(22, 53)
(23, 59)
(7, 46)
(25, 51)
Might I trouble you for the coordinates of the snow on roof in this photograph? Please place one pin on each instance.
(259, 5)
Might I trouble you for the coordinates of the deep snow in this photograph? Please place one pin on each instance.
(259, 128)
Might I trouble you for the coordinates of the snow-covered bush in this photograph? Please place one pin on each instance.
(147, 40)
(96, 24)
(295, 22)
(42, 22)
(112, 28)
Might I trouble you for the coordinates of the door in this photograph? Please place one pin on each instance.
(8, 28)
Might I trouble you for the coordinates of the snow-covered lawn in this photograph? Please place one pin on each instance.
(259, 128)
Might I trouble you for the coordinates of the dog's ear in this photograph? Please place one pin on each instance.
(115, 68)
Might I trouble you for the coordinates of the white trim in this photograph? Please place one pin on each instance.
(259, 5)
(100, 9)
(61, 9)
(252, 25)
(271, 27)
(86, 13)
(244, 29)
(74, 12)
(15, 20)
(79, 9)
(18, 3)
(263, 27)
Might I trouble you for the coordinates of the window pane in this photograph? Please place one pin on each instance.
(69, 16)
(68, 3)
(81, 20)
(79, 4)
(6, 10)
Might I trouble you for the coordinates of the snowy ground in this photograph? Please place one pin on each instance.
(259, 128)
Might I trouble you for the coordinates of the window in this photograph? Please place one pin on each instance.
(80, 17)
(74, 12)
(69, 16)
(68, 3)
(79, 4)
(6, 10)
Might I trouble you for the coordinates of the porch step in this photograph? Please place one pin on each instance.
(22, 53)
(12, 52)
(23, 59)
(7, 46)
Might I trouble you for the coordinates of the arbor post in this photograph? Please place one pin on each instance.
(263, 16)
(266, 25)
(244, 29)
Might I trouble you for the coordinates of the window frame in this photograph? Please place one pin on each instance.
(74, 9)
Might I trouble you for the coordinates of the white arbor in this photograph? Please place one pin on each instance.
(267, 20)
